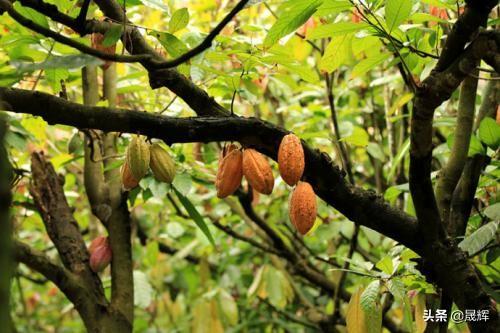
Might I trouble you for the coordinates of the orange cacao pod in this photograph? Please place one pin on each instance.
(257, 171)
(138, 157)
(291, 160)
(229, 173)
(303, 207)
(128, 180)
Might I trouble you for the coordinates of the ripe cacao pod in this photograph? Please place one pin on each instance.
(101, 257)
(230, 172)
(128, 180)
(257, 171)
(303, 207)
(138, 157)
(97, 242)
(291, 160)
(162, 164)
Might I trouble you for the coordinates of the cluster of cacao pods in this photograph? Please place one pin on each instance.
(142, 156)
(291, 163)
(235, 163)
(100, 254)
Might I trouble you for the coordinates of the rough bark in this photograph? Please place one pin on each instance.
(6, 263)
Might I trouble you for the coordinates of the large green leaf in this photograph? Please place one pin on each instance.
(179, 20)
(71, 61)
(112, 35)
(292, 15)
(173, 45)
(369, 297)
(493, 211)
(143, 292)
(335, 29)
(369, 63)
(337, 53)
(479, 238)
(195, 215)
(489, 133)
(397, 11)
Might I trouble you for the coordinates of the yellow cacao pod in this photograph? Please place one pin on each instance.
(257, 171)
(128, 180)
(303, 207)
(229, 173)
(138, 157)
(291, 160)
(162, 164)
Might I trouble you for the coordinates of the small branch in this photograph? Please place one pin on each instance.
(228, 230)
(80, 26)
(289, 316)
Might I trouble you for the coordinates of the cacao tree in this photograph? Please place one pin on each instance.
(241, 166)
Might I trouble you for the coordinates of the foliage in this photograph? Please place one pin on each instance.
(273, 68)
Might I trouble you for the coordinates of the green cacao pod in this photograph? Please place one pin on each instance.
(162, 164)
(138, 157)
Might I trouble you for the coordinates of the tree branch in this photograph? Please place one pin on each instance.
(79, 25)
(358, 205)
(5, 229)
(450, 173)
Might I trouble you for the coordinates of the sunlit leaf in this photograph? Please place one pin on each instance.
(292, 15)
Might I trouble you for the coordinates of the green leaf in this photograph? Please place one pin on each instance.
(152, 251)
(396, 11)
(195, 215)
(402, 152)
(479, 238)
(369, 297)
(400, 102)
(228, 306)
(179, 20)
(335, 29)
(291, 16)
(173, 45)
(396, 288)
(475, 147)
(493, 211)
(54, 77)
(31, 14)
(355, 316)
(359, 137)
(489, 133)
(337, 53)
(385, 265)
(156, 4)
(112, 35)
(329, 7)
(375, 151)
(71, 61)
(143, 292)
(369, 63)
(183, 183)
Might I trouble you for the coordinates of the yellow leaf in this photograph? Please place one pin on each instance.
(355, 317)
(419, 312)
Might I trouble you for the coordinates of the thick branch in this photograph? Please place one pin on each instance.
(360, 206)
(5, 229)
